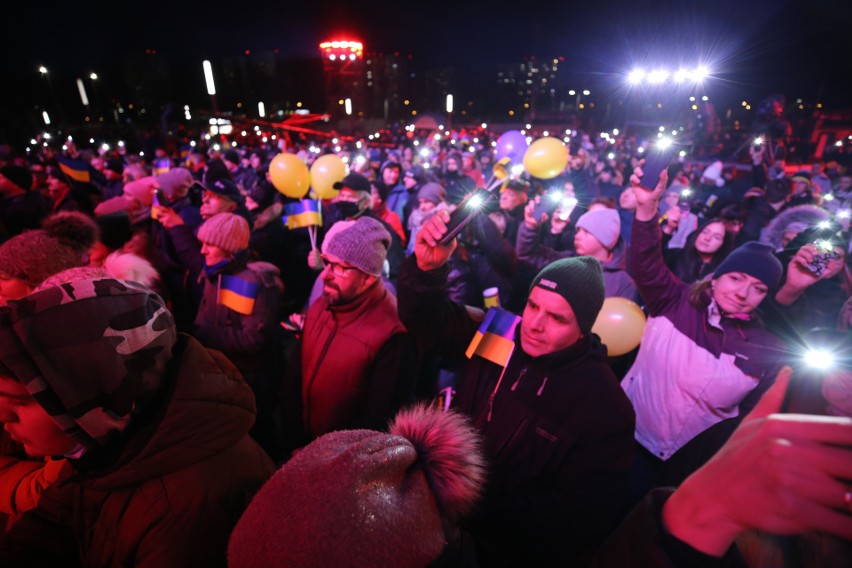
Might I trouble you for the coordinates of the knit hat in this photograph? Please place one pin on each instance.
(580, 281)
(361, 498)
(142, 190)
(433, 192)
(803, 176)
(61, 243)
(603, 224)
(228, 231)
(18, 175)
(416, 172)
(755, 259)
(713, 174)
(355, 182)
(175, 182)
(232, 156)
(362, 243)
(93, 379)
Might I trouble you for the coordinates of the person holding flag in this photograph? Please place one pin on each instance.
(238, 313)
(558, 429)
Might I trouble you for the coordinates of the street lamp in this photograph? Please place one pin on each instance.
(94, 77)
(211, 87)
(82, 90)
(46, 74)
(449, 110)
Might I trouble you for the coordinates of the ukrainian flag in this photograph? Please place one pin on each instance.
(185, 149)
(77, 170)
(162, 165)
(495, 338)
(304, 213)
(237, 294)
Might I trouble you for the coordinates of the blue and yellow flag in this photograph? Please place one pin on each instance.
(495, 338)
(304, 213)
(77, 170)
(237, 294)
(162, 165)
(185, 150)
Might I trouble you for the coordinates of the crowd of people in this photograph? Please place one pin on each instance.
(186, 379)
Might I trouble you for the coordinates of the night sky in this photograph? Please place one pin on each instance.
(798, 48)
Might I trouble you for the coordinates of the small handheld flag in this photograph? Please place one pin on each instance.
(304, 213)
(162, 165)
(77, 170)
(495, 338)
(237, 294)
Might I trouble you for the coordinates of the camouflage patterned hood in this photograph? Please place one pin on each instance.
(92, 352)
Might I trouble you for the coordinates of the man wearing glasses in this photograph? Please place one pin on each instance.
(355, 365)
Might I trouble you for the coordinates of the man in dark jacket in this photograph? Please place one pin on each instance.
(153, 425)
(558, 429)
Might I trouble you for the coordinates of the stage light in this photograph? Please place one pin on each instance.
(658, 76)
(636, 76)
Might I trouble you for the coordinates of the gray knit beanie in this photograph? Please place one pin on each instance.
(362, 243)
(175, 182)
(433, 192)
(603, 224)
(580, 281)
(228, 231)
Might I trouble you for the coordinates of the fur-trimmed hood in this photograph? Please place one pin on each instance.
(796, 219)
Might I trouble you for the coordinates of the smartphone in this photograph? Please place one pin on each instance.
(822, 377)
(160, 198)
(821, 259)
(547, 203)
(656, 160)
(470, 207)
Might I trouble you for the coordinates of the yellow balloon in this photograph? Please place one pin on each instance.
(290, 175)
(620, 325)
(325, 172)
(546, 158)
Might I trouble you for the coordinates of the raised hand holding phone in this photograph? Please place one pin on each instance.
(428, 247)
(469, 208)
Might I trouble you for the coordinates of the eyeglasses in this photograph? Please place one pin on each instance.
(336, 268)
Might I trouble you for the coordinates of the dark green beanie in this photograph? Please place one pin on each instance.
(580, 281)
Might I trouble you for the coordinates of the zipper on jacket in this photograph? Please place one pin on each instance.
(307, 409)
(496, 388)
(518, 381)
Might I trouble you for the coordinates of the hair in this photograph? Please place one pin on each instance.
(607, 202)
(687, 261)
(699, 292)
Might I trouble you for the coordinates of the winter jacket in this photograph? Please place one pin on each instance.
(219, 327)
(558, 433)
(695, 367)
(354, 368)
(167, 492)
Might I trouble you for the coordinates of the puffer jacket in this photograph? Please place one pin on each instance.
(695, 367)
(167, 492)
